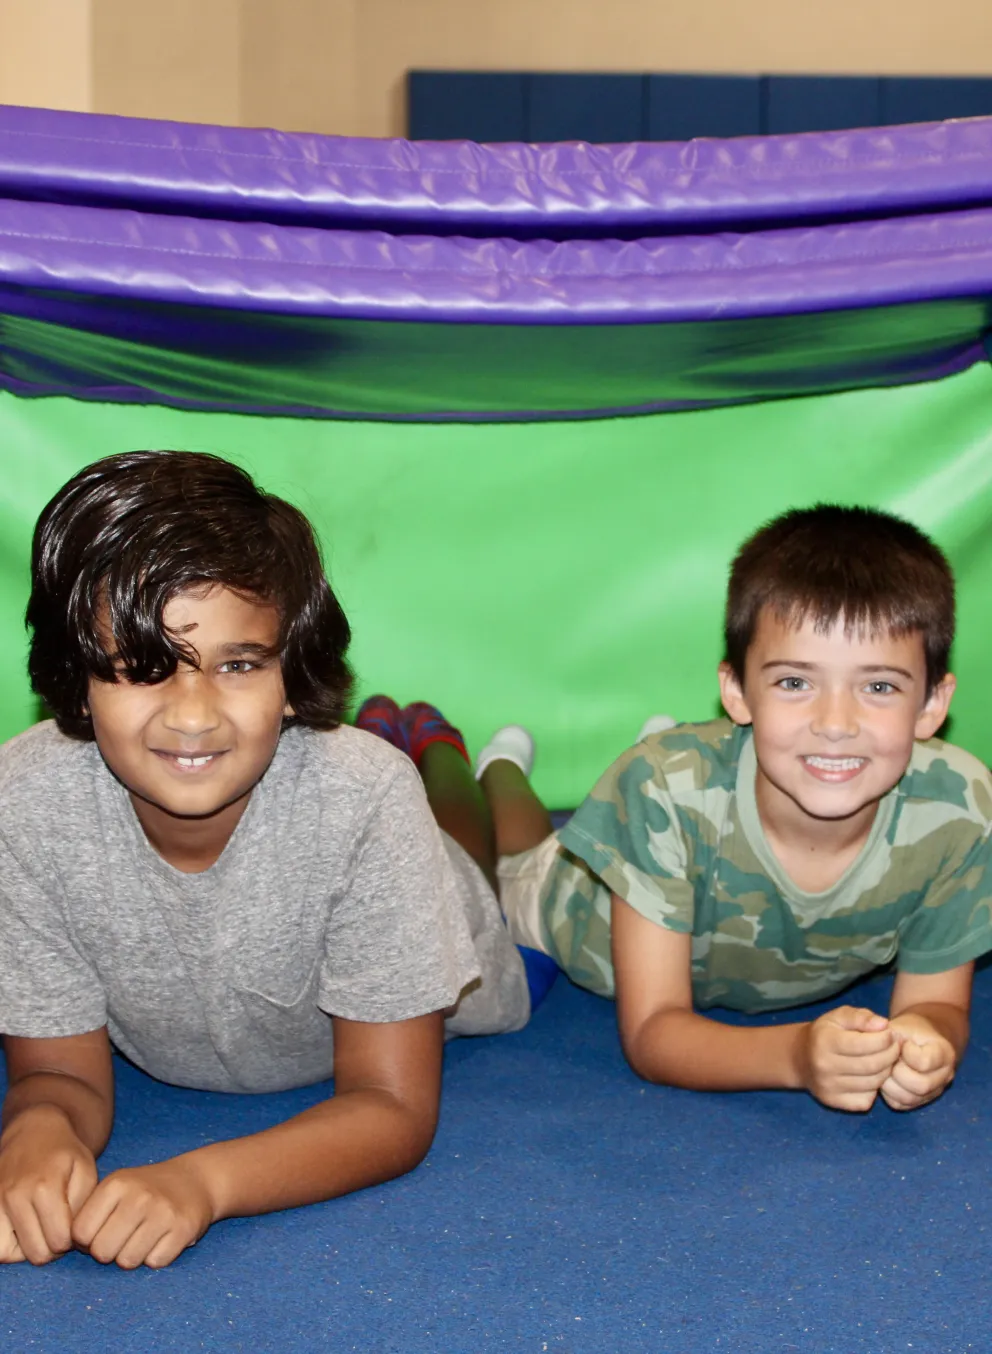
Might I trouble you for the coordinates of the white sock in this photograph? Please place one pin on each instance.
(513, 743)
(656, 724)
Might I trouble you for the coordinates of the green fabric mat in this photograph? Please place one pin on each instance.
(568, 576)
(368, 369)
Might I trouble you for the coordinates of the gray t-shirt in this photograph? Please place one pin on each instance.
(336, 895)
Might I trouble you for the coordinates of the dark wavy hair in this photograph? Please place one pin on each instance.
(129, 533)
(875, 570)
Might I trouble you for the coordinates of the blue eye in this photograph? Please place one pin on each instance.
(882, 688)
(793, 683)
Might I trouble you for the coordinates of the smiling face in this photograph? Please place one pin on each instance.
(834, 717)
(191, 748)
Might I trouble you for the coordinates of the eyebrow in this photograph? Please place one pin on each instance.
(246, 650)
(865, 668)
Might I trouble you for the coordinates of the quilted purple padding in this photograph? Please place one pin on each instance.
(448, 187)
(373, 275)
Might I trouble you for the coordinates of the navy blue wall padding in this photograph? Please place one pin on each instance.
(680, 107)
(568, 1207)
(926, 99)
(476, 105)
(586, 107)
(805, 103)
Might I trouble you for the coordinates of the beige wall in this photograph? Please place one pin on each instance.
(46, 53)
(167, 59)
(299, 74)
(339, 65)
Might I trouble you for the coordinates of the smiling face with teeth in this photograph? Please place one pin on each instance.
(190, 749)
(834, 716)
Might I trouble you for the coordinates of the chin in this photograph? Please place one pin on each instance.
(832, 813)
(189, 805)
(827, 806)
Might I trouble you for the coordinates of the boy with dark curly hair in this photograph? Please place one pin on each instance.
(201, 865)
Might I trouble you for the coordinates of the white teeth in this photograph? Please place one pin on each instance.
(835, 763)
(195, 761)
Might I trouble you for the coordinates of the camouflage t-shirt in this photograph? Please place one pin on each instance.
(673, 828)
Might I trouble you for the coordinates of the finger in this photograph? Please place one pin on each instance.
(95, 1212)
(10, 1251)
(29, 1232)
(918, 1084)
(147, 1237)
(858, 1085)
(924, 1057)
(856, 1044)
(82, 1182)
(111, 1238)
(167, 1250)
(853, 1102)
(858, 1018)
(871, 1065)
(896, 1098)
(52, 1209)
(898, 1033)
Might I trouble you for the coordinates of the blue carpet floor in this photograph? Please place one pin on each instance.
(568, 1207)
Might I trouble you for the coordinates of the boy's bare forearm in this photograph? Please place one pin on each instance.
(356, 1139)
(89, 1111)
(72, 1077)
(681, 1048)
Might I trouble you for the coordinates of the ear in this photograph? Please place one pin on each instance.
(287, 711)
(732, 695)
(934, 712)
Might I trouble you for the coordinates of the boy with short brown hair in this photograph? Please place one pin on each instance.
(773, 858)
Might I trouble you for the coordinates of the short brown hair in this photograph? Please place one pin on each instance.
(875, 570)
(129, 533)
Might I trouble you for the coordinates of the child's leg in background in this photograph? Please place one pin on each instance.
(459, 805)
(500, 816)
(438, 751)
(525, 851)
(520, 820)
(504, 998)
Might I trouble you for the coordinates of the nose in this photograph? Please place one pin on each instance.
(835, 716)
(189, 707)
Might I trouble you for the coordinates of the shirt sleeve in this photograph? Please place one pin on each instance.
(628, 832)
(953, 922)
(48, 989)
(398, 944)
